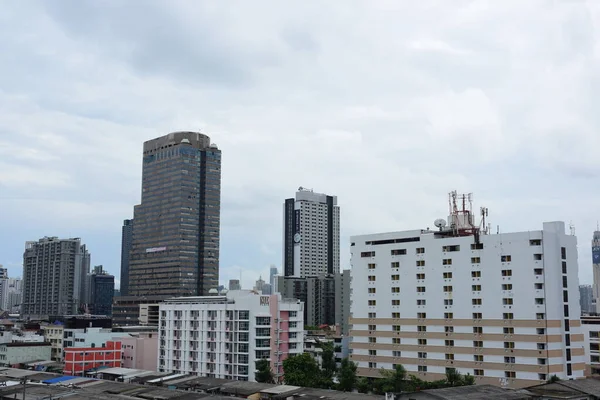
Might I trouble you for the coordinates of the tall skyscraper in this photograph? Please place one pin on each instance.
(101, 291)
(175, 243)
(54, 275)
(596, 268)
(126, 239)
(586, 299)
(311, 234)
(273, 271)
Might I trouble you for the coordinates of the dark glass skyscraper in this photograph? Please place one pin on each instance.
(126, 238)
(175, 242)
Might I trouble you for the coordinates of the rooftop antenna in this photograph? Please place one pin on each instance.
(572, 228)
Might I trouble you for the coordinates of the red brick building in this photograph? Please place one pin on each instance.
(81, 359)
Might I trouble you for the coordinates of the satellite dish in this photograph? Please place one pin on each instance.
(440, 223)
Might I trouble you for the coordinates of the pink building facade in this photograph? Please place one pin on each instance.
(140, 351)
(287, 331)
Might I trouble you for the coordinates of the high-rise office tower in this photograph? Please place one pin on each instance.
(586, 299)
(54, 275)
(596, 268)
(273, 271)
(101, 290)
(126, 239)
(311, 234)
(175, 243)
(501, 307)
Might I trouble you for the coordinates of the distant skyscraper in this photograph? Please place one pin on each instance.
(175, 245)
(234, 284)
(260, 283)
(273, 271)
(101, 291)
(54, 275)
(311, 234)
(3, 272)
(126, 239)
(586, 296)
(596, 268)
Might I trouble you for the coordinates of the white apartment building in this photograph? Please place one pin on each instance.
(222, 336)
(311, 234)
(590, 326)
(504, 307)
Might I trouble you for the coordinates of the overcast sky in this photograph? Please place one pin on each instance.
(387, 104)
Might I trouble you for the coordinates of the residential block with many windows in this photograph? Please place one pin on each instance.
(502, 307)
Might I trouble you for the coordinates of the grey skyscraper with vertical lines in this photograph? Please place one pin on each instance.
(175, 237)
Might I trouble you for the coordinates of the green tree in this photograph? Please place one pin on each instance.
(468, 380)
(302, 370)
(328, 360)
(392, 381)
(453, 377)
(347, 375)
(363, 385)
(263, 372)
(553, 379)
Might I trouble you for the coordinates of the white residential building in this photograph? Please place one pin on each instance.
(502, 307)
(311, 234)
(223, 336)
(11, 294)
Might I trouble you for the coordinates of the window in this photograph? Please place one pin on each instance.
(372, 365)
(476, 246)
(396, 302)
(421, 302)
(449, 356)
(372, 290)
(542, 361)
(509, 360)
(478, 357)
(420, 263)
(566, 310)
(538, 286)
(478, 330)
(395, 277)
(397, 353)
(395, 289)
(507, 315)
(372, 352)
(475, 274)
(449, 343)
(367, 254)
(398, 252)
(540, 316)
(477, 343)
(569, 369)
(421, 328)
(510, 374)
(507, 301)
(420, 289)
(539, 300)
(372, 340)
(422, 368)
(372, 278)
(563, 253)
(448, 329)
(371, 266)
(421, 315)
(567, 339)
(451, 248)
(422, 342)
(542, 331)
(509, 345)
(475, 260)
(535, 242)
(396, 340)
(476, 302)
(372, 303)
(542, 377)
(509, 330)
(447, 261)
(565, 282)
(505, 258)
(447, 275)
(537, 257)
(372, 327)
(396, 315)
(538, 271)
(421, 276)
(422, 354)
(476, 288)
(395, 264)
(478, 372)
(477, 315)
(448, 302)
(541, 346)
(372, 315)
(507, 272)
(564, 267)
(448, 315)
(448, 289)
(420, 250)
(567, 325)
(507, 286)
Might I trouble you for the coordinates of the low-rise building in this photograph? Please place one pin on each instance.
(140, 351)
(79, 360)
(223, 336)
(15, 353)
(590, 328)
(54, 335)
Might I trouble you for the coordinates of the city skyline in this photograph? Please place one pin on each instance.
(388, 120)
